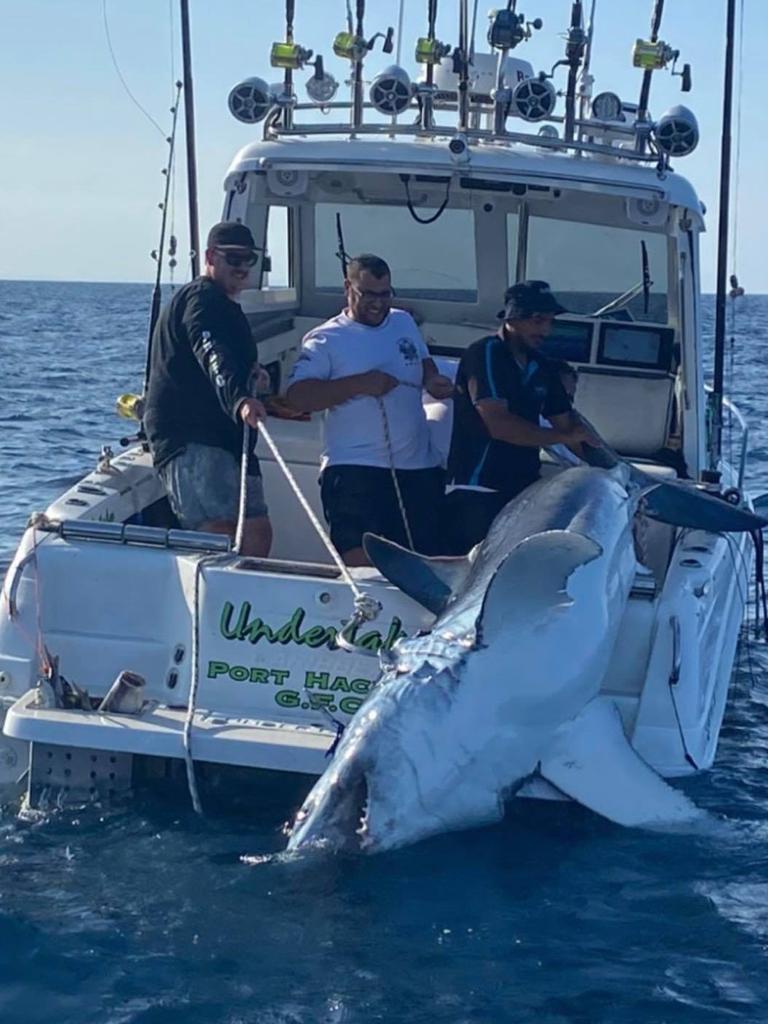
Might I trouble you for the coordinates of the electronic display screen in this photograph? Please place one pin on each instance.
(569, 341)
(633, 345)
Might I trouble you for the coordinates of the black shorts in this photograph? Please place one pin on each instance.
(362, 499)
(469, 515)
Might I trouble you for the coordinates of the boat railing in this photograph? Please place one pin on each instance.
(734, 416)
(274, 129)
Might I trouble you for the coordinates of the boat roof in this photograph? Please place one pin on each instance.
(527, 164)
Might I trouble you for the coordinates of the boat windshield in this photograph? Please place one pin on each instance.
(428, 261)
(589, 266)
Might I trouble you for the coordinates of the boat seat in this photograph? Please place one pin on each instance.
(631, 409)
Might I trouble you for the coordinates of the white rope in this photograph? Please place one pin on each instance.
(393, 472)
(243, 503)
(345, 574)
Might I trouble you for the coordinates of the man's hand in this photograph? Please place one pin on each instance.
(439, 386)
(375, 383)
(251, 411)
(580, 433)
(262, 381)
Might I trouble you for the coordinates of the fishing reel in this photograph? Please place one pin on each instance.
(353, 47)
(431, 51)
(508, 29)
(656, 55)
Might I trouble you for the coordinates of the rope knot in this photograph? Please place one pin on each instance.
(366, 608)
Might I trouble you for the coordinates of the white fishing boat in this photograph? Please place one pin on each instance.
(480, 175)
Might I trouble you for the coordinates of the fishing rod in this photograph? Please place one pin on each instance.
(576, 41)
(429, 52)
(645, 88)
(722, 235)
(462, 59)
(157, 255)
(586, 79)
(357, 69)
(189, 125)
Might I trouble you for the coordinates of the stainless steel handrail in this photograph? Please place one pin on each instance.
(733, 410)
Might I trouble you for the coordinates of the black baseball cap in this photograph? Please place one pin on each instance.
(229, 234)
(527, 298)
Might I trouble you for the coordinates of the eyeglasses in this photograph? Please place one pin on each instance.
(368, 296)
(238, 259)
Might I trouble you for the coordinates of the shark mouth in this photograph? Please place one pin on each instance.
(336, 818)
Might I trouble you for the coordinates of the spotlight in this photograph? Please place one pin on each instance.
(606, 106)
(322, 88)
(250, 101)
(548, 131)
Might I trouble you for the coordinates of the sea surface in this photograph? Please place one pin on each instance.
(141, 912)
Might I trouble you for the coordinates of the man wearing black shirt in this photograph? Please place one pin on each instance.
(199, 395)
(503, 386)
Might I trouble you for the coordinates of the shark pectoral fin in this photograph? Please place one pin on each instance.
(681, 504)
(532, 579)
(591, 760)
(430, 581)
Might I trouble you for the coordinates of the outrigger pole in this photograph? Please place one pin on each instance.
(189, 125)
(722, 234)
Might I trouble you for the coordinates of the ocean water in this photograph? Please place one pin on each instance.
(141, 912)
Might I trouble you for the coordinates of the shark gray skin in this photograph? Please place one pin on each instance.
(506, 682)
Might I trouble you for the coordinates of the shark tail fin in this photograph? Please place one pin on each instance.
(430, 581)
(683, 505)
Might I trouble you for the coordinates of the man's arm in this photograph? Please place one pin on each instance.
(578, 432)
(504, 425)
(214, 352)
(434, 382)
(317, 395)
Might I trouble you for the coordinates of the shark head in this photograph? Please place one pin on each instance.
(397, 775)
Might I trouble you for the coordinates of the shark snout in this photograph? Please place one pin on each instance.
(333, 816)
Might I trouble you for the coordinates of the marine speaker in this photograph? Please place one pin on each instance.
(677, 132)
(250, 100)
(533, 99)
(391, 91)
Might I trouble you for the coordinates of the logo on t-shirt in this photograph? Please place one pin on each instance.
(408, 350)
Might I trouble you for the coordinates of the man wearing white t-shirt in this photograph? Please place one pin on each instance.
(366, 369)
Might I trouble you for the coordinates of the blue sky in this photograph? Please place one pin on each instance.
(80, 176)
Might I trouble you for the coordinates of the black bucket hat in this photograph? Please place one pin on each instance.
(229, 234)
(527, 298)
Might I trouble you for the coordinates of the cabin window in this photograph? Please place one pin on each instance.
(428, 261)
(278, 247)
(591, 265)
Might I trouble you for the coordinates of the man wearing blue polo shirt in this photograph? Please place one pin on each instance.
(503, 387)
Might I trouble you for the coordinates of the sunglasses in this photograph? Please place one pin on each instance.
(370, 296)
(237, 259)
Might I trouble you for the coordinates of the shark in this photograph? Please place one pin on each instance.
(505, 686)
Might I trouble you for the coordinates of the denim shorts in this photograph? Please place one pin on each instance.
(203, 483)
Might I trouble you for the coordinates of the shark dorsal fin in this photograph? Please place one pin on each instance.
(532, 579)
(430, 581)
